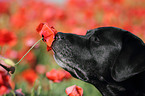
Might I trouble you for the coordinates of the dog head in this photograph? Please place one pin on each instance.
(101, 54)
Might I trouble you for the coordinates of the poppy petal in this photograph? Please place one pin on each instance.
(48, 33)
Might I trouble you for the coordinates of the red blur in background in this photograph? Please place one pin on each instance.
(19, 19)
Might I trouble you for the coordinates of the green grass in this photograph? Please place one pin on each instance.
(57, 89)
(43, 86)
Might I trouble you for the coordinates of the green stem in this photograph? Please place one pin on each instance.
(33, 88)
(12, 91)
(29, 51)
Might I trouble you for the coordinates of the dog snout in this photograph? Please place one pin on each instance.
(59, 35)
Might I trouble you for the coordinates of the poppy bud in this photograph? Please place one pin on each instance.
(9, 62)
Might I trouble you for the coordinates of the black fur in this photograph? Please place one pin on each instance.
(111, 59)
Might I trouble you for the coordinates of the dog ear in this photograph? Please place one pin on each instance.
(131, 60)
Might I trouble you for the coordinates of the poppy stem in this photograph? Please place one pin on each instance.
(13, 92)
(28, 51)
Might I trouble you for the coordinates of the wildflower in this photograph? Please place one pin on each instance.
(55, 75)
(18, 20)
(7, 37)
(29, 75)
(4, 83)
(74, 91)
(4, 6)
(48, 34)
(7, 65)
(67, 75)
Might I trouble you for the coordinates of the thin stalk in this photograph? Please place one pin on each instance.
(12, 91)
(29, 51)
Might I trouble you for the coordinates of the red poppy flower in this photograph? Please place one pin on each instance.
(56, 75)
(60, 15)
(7, 37)
(46, 13)
(4, 83)
(4, 6)
(74, 91)
(29, 75)
(67, 75)
(48, 34)
(18, 20)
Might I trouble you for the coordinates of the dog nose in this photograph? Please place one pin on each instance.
(59, 35)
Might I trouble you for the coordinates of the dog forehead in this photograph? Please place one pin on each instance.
(106, 31)
(91, 32)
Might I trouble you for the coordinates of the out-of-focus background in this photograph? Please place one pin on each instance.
(18, 22)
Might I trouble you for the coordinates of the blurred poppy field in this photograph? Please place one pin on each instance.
(38, 74)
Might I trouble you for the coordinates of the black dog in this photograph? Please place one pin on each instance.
(111, 59)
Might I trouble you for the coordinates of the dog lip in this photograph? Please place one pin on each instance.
(77, 71)
(56, 38)
(83, 75)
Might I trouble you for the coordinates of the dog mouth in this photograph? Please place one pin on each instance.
(75, 71)
(63, 56)
(80, 74)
